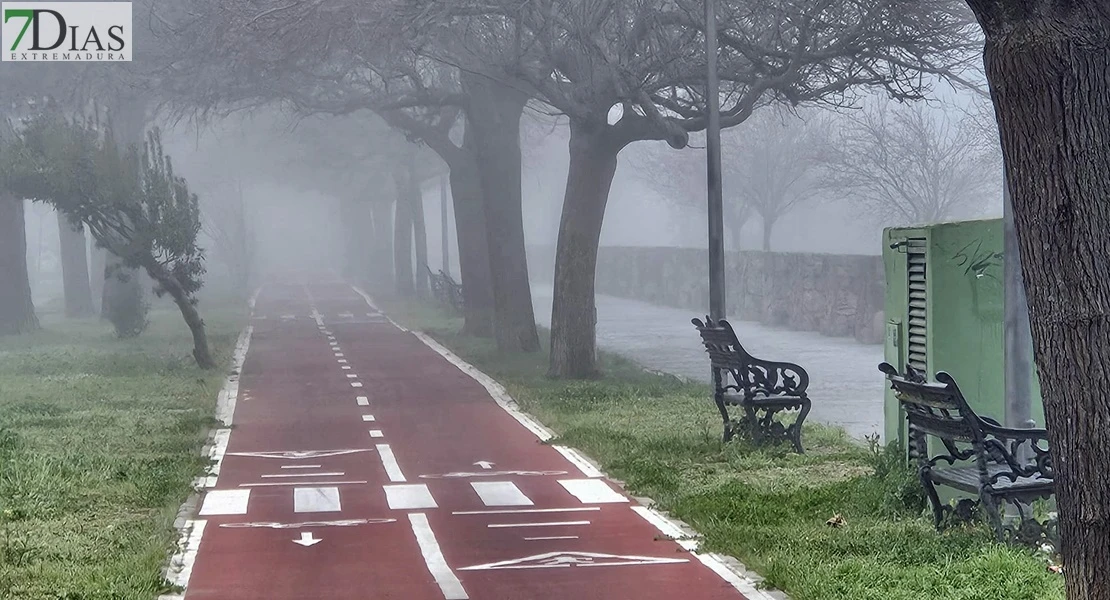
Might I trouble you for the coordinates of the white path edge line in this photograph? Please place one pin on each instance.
(734, 574)
(496, 390)
(716, 563)
(180, 566)
(576, 458)
(448, 582)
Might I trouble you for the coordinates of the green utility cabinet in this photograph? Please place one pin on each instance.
(944, 308)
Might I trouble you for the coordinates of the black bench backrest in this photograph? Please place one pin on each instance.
(724, 348)
(935, 408)
(750, 375)
(448, 279)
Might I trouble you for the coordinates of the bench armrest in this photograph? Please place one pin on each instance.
(1024, 452)
(776, 377)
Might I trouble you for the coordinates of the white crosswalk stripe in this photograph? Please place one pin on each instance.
(497, 496)
(500, 493)
(316, 499)
(225, 502)
(591, 491)
(409, 496)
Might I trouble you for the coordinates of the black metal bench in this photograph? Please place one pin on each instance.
(999, 465)
(445, 289)
(761, 388)
(454, 292)
(437, 284)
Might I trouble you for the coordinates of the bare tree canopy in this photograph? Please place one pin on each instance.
(907, 164)
(771, 163)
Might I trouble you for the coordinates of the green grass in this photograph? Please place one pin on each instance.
(767, 507)
(100, 440)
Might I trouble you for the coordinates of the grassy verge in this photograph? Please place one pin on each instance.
(767, 507)
(100, 439)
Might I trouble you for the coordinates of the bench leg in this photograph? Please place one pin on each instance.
(919, 451)
(728, 429)
(796, 427)
(925, 475)
(994, 515)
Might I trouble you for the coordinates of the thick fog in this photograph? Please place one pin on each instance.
(292, 217)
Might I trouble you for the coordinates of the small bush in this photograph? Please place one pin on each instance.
(902, 491)
(126, 307)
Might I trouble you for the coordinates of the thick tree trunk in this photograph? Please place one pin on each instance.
(381, 259)
(186, 304)
(75, 267)
(1049, 71)
(420, 233)
(444, 227)
(17, 311)
(768, 227)
(129, 118)
(494, 116)
(593, 163)
(470, 229)
(402, 241)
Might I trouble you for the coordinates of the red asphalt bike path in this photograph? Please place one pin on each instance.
(413, 485)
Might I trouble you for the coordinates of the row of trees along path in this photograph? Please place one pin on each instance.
(429, 67)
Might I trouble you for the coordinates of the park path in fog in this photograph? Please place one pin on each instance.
(363, 461)
(845, 383)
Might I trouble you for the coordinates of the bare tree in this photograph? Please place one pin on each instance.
(293, 55)
(1048, 65)
(680, 178)
(911, 164)
(647, 57)
(770, 164)
(581, 59)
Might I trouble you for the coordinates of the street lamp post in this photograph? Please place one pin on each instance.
(713, 169)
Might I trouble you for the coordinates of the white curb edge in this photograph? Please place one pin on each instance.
(180, 567)
(727, 567)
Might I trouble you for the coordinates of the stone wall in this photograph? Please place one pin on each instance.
(835, 295)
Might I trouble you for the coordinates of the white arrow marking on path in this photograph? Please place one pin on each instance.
(307, 539)
(485, 464)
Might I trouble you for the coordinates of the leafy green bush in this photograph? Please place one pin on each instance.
(902, 491)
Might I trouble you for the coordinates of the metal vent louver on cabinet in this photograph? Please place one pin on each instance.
(917, 330)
